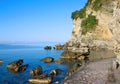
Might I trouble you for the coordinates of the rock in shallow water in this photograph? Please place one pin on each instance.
(1, 61)
(47, 47)
(46, 80)
(47, 60)
(55, 72)
(21, 68)
(40, 79)
(17, 66)
(37, 71)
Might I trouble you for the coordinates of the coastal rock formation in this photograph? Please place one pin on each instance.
(69, 54)
(74, 55)
(59, 61)
(47, 60)
(17, 66)
(55, 72)
(97, 24)
(1, 61)
(37, 71)
(38, 78)
(41, 79)
(61, 47)
(47, 47)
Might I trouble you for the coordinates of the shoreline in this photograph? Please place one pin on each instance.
(98, 69)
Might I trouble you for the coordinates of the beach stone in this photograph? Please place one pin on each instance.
(65, 83)
(57, 82)
(81, 57)
(47, 60)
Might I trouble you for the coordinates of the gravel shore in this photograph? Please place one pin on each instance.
(94, 73)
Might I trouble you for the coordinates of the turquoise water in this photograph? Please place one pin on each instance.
(31, 55)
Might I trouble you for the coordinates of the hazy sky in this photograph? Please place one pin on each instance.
(37, 20)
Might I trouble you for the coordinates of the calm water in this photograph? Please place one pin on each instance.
(31, 55)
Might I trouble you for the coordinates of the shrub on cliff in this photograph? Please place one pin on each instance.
(81, 13)
(88, 2)
(89, 23)
(75, 15)
(97, 5)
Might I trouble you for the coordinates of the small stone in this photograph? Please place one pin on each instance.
(83, 79)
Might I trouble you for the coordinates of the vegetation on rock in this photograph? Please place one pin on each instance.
(81, 13)
(89, 23)
(88, 2)
(97, 5)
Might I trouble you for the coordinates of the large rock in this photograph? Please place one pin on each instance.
(42, 79)
(48, 59)
(47, 47)
(17, 66)
(21, 68)
(37, 71)
(69, 54)
(55, 72)
(59, 47)
(1, 61)
(58, 61)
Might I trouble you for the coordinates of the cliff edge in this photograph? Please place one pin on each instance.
(97, 24)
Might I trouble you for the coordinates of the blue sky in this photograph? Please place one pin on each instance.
(37, 20)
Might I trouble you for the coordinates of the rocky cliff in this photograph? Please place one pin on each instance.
(97, 24)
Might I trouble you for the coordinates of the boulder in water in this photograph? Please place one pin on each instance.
(47, 47)
(46, 80)
(1, 61)
(37, 71)
(41, 79)
(55, 72)
(17, 66)
(21, 68)
(48, 59)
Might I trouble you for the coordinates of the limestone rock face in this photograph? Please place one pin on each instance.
(69, 54)
(107, 31)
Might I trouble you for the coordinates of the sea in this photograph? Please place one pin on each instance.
(31, 54)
